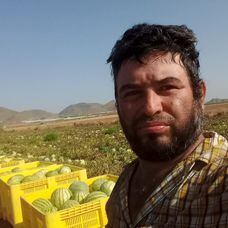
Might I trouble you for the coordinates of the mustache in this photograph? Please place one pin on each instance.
(156, 118)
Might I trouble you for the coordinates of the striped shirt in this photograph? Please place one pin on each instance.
(193, 194)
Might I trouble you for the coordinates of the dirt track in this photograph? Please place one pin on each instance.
(62, 123)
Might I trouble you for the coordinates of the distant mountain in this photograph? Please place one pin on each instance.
(6, 114)
(216, 101)
(110, 106)
(83, 109)
(80, 109)
(29, 115)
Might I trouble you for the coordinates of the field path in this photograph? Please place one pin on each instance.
(62, 123)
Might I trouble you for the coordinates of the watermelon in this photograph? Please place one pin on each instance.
(60, 196)
(69, 204)
(5, 173)
(64, 169)
(79, 186)
(79, 196)
(94, 196)
(41, 173)
(15, 179)
(42, 165)
(30, 178)
(52, 173)
(97, 184)
(17, 169)
(107, 187)
(44, 205)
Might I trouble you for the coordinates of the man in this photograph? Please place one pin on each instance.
(179, 178)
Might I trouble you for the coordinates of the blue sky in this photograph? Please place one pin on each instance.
(53, 53)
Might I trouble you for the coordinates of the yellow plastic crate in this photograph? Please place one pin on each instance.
(13, 162)
(20, 164)
(5, 166)
(11, 193)
(86, 215)
(23, 165)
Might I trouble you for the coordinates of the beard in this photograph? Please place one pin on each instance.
(152, 148)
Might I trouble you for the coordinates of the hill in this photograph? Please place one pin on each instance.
(110, 106)
(6, 114)
(29, 115)
(84, 109)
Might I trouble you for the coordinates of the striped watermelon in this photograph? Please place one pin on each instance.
(79, 196)
(97, 184)
(69, 204)
(107, 187)
(94, 196)
(16, 169)
(52, 173)
(44, 205)
(60, 196)
(41, 173)
(15, 179)
(30, 178)
(64, 169)
(79, 186)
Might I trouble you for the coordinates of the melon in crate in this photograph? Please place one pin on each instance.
(94, 196)
(60, 196)
(107, 187)
(44, 205)
(79, 196)
(79, 186)
(96, 185)
(16, 179)
(69, 203)
(52, 173)
(64, 169)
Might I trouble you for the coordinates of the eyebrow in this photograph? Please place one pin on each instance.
(137, 86)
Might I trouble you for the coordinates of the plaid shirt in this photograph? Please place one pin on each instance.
(194, 194)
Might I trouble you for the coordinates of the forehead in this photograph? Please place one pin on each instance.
(153, 68)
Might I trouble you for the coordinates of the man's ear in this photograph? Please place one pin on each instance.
(203, 93)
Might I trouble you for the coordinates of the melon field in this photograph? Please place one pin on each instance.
(100, 148)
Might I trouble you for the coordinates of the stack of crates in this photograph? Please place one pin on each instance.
(10, 194)
(91, 214)
(16, 200)
(5, 167)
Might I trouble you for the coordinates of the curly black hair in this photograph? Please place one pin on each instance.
(143, 39)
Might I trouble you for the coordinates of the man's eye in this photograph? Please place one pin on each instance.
(168, 87)
(131, 93)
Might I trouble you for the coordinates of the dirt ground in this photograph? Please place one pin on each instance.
(215, 109)
(61, 123)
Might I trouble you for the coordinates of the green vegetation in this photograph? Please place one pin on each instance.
(51, 137)
(99, 148)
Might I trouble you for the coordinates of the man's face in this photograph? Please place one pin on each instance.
(156, 107)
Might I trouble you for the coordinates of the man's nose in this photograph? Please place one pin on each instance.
(153, 103)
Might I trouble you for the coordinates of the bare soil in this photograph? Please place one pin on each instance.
(62, 123)
(216, 109)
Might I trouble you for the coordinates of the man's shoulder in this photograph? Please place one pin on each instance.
(212, 152)
(215, 146)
